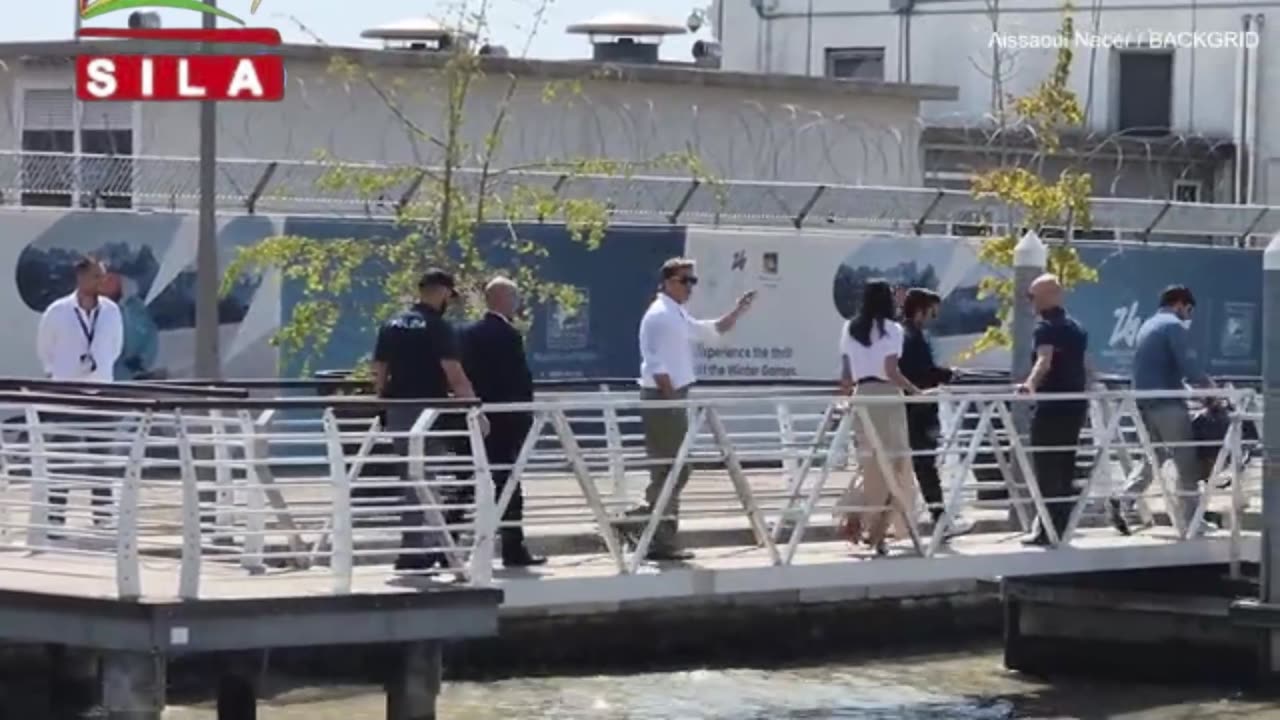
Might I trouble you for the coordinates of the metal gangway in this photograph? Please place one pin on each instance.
(219, 491)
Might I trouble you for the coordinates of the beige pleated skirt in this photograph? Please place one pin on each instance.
(873, 488)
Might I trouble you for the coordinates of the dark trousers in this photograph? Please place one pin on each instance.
(1056, 469)
(401, 419)
(100, 486)
(923, 428)
(506, 437)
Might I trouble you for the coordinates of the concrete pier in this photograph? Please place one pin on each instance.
(135, 641)
(415, 682)
(133, 685)
(1163, 625)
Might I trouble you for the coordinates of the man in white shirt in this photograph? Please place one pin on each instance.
(81, 335)
(79, 338)
(667, 337)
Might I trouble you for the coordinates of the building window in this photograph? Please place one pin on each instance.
(1144, 92)
(1187, 191)
(105, 173)
(855, 63)
(48, 126)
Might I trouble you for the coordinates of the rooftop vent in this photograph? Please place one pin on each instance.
(625, 37)
(419, 35)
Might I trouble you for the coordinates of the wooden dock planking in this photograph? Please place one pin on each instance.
(570, 581)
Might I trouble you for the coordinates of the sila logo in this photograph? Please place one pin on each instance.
(219, 75)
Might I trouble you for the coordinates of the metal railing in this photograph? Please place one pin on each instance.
(194, 490)
(299, 187)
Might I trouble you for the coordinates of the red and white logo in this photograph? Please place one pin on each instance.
(217, 75)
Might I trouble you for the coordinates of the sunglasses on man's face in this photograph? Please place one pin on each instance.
(687, 280)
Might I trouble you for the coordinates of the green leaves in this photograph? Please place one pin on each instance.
(440, 204)
(1062, 202)
(103, 7)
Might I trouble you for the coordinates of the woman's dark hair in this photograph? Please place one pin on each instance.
(876, 307)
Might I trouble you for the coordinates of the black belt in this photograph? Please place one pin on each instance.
(870, 379)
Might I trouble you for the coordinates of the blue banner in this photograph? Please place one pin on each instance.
(1227, 283)
(597, 339)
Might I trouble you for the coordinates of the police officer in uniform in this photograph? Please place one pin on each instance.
(417, 358)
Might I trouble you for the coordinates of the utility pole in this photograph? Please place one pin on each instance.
(208, 360)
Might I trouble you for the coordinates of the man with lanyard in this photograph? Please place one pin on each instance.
(1060, 365)
(79, 339)
(417, 358)
(668, 334)
(919, 308)
(1164, 360)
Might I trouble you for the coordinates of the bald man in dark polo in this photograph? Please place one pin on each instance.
(1061, 365)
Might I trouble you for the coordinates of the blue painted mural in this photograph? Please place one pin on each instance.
(809, 282)
(151, 275)
(1227, 283)
(806, 282)
(598, 339)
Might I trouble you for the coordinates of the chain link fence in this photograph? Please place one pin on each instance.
(299, 187)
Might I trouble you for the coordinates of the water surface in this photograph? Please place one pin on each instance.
(952, 686)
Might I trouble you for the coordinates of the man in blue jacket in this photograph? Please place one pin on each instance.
(1164, 360)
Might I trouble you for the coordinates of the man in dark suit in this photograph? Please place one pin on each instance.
(493, 356)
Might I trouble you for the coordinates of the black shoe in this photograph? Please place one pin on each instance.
(1116, 514)
(522, 558)
(420, 563)
(668, 555)
(1213, 520)
(1037, 540)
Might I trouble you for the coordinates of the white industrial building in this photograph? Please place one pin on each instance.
(1177, 106)
(622, 104)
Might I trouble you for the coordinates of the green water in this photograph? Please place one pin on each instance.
(954, 686)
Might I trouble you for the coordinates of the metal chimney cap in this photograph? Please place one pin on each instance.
(625, 24)
(420, 28)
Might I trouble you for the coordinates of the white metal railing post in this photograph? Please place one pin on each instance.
(128, 579)
(787, 436)
(581, 472)
(38, 524)
(790, 512)
(614, 441)
(1108, 427)
(189, 571)
(741, 485)
(343, 558)
(486, 516)
(1235, 453)
(6, 519)
(256, 451)
(224, 489)
(515, 476)
(951, 500)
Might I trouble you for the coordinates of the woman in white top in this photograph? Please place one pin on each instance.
(869, 348)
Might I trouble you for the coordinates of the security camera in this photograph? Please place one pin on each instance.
(144, 21)
(694, 23)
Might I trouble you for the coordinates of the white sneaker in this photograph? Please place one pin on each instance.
(957, 527)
